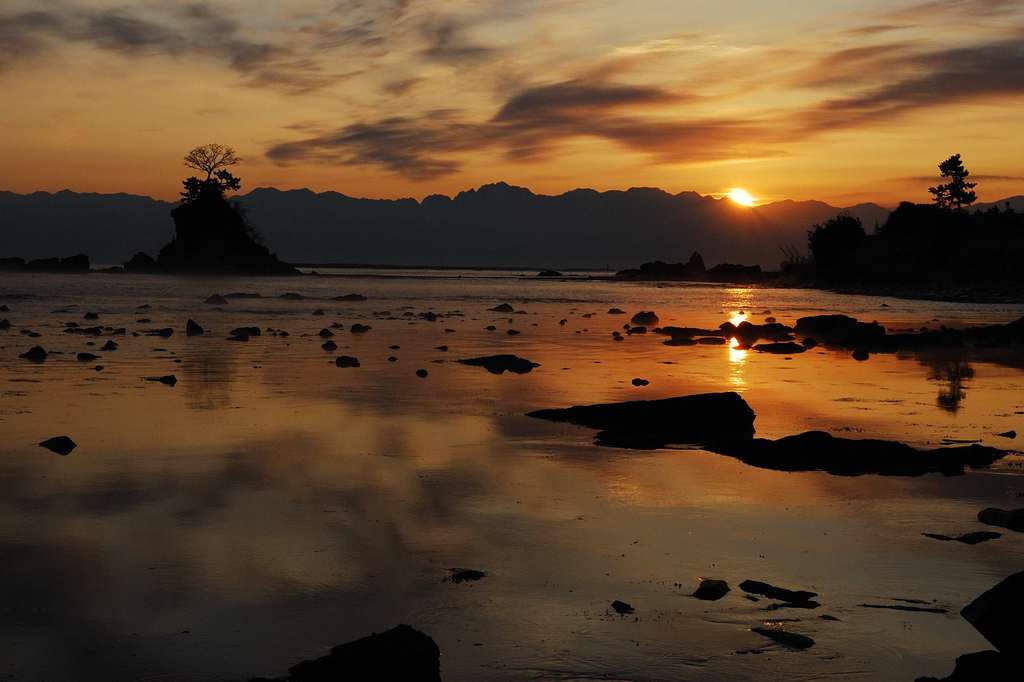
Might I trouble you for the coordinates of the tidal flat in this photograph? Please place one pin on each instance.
(272, 502)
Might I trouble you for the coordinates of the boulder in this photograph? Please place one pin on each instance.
(35, 354)
(647, 318)
(996, 614)
(401, 654)
(1013, 519)
(193, 328)
(622, 608)
(141, 262)
(782, 348)
(62, 445)
(167, 380)
(109, 346)
(503, 308)
(421, 373)
(499, 364)
(616, 311)
(329, 345)
(841, 330)
(638, 382)
(549, 273)
(360, 328)
(346, 361)
(87, 357)
(711, 590)
(216, 299)
(646, 424)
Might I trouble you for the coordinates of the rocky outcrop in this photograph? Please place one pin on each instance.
(399, 654)
(499, 364)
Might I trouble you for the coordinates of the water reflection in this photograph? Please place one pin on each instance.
(954, 372)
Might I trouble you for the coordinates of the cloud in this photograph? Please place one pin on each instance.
(527, 127)
(447, 42)
(193, 29)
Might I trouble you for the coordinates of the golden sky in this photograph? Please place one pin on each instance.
(836, 100)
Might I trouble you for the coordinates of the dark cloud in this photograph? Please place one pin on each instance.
(929, 9)
(193, 29)
(447, 42)
(530, 124)
(993, 71)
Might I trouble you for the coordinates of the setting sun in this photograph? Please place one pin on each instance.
(741, 196)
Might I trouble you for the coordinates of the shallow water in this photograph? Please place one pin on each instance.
(271, 505)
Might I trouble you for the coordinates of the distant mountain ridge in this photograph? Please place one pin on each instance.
(493, 225)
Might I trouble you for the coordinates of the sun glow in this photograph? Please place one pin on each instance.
(741, 196)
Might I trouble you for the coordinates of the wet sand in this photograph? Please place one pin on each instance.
(271, 504)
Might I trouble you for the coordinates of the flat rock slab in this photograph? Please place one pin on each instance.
(790, 639)
(647, 424)
(711, 590)
(779, 593)
(820, 451)
(499, 364)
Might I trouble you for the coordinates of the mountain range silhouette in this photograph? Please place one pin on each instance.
(495, 225)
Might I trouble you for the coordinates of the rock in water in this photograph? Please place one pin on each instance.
(990, 666)
(110, 345)
(35, 354)
(216, 299)
(697, 418)
(212, 236)
(782, 347)
(401, 654)
(329, 345)
(62, 445)
(346, 361)
(167, 380)
(360, 328)
(192, 328)
(350, 297)
(87, 357)
(711, 590)
(1004, 518)
(422, 373)
(499, 364)
(790, 639)
(503, 308)
(466, 575)
(622, 608)
(996, 614)
(647, 318)
(779, 593)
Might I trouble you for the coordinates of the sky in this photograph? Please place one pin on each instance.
(834, 100)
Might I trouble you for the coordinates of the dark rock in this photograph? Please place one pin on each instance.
(711, 341)
(5, 324)
(512, 332)
(1012, 519)
(711, 590)
(443, 349)
(809, 343)
(841, 330)
(319, 312)
(326, 333)
(490, 328)
(401, 654)
(622, 608)
(360, 328)
(680, 341)
(292, 296)
(392, 358)
(860, 355)
(996, 614)
(905, 607)
(974, 538)
(640, 382)
(777, 593)
(243, 294)
(421, 373)
(616, 311)
(193, 328)
(87, 357)
(656, 423)
(562, 322)
(35, 354)
(783, 348)
(350, 297)
(636, 330)
(503, 308)
(346, 361)
(646, 318)
(110, 345)
(163, 332)
(982, 666)
(168, 380)
(62, 445)
(693, 270)
(216, 299)
(245, 331)
(790, 639)
(329, 345)
(549, 273)
(499, 364)
(747, 333)
(820, 451)
(465, 575)
(91, 316)
(1008, 434)
(141, 262)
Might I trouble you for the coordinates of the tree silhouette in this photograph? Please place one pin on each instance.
(834, 240)
(214, 160)
(210, 158)
(956, 193)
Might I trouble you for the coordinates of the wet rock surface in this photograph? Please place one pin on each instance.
(1012, 519)
(711, 590)
(778, 593)
(996, 614)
